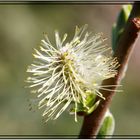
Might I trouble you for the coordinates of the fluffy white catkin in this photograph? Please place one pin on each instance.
(65, 73)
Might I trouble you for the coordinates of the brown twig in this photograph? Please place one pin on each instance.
(92, 122)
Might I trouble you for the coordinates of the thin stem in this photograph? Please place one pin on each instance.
(92, 122)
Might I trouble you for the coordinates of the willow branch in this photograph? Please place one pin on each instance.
(92, 122)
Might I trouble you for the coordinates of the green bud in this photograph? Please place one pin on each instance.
(118, 27)
(107, 127)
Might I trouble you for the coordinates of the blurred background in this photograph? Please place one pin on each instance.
(21, 29)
